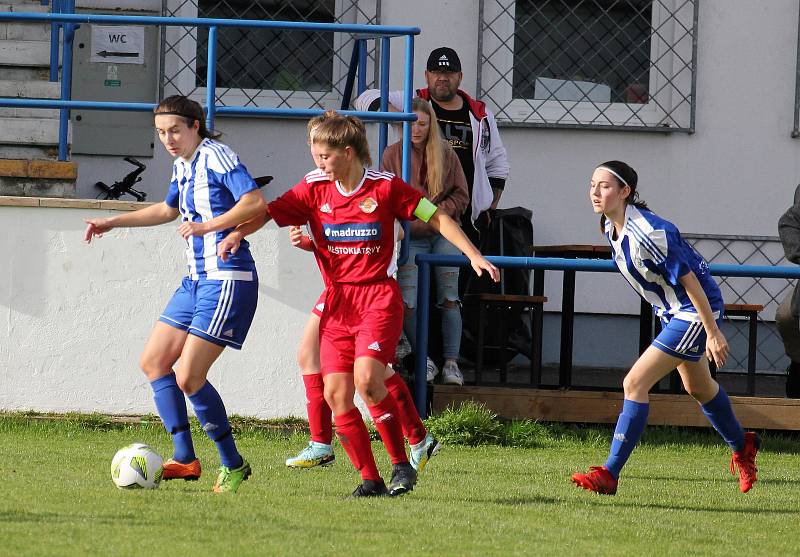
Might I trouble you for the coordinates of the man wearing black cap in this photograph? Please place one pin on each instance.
(470, 128)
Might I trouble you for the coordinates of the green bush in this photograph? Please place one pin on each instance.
(470, 423)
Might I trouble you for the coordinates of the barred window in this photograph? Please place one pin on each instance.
(269, 59)
(590, 63)
(265, 67)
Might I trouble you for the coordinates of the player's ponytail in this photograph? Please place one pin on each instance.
(625, 176)
(189, 110)
(340, 131)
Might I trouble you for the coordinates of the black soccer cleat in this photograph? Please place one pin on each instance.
(403, 479)
(370, 488)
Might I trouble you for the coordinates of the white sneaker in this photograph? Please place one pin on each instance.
(451, 375)
(433, 371)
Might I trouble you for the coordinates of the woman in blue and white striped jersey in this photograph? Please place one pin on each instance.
(667, 272)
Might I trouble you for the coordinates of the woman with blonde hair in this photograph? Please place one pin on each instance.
(437, 173)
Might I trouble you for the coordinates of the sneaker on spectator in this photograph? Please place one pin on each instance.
(451, 375)
(432, 370)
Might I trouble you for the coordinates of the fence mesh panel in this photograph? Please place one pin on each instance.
(626, 64)
(769, 292)
(264, 67)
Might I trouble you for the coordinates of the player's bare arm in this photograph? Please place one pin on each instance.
(300, 240)
(452, 232)
(249, 205)
(716, 345)
(230, 244)
(158, 213)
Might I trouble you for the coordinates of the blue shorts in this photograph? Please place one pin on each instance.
(683, 339)
(219, 311)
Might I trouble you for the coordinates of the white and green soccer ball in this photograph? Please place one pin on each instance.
(137, 466)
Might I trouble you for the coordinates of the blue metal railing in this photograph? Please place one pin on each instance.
(426, 261)
(61, 18)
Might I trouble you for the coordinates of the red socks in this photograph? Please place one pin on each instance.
(413, 429)
(319, 413)
(386, 417)
(353, 436)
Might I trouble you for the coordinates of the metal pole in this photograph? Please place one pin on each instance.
(66, 82)
(211, 79)
(420, 374)
(55, 32)
(362, 66)
(408, 92)
(384, 94)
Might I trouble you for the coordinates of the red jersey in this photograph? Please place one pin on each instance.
(354, 232)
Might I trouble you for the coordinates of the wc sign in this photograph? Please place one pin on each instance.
(113, 44)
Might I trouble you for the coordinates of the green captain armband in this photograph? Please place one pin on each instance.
(425, 210)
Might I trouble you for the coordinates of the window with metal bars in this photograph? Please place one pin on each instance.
(264, 67)
(626, 64)
(266, 59)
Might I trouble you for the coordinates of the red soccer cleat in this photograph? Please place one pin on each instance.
(598, 479)
(174, 470)
(745, 460)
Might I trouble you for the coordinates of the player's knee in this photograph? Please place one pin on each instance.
(153, 367)
(632, 385)
(450, 304)
(190, 385)
(408, 310)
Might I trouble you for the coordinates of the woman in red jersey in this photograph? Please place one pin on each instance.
(351, 212)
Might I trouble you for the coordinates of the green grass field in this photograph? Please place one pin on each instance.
(676, 498)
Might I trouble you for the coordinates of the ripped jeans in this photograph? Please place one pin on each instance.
(446, 293)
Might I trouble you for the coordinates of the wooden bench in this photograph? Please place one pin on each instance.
(504, 303)
(750, 311)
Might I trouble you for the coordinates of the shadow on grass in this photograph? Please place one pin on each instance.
(695, 508)
(716, 479)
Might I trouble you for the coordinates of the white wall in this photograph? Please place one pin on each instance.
(74, 317)
(735, 175)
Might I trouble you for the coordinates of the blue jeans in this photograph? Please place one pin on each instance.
(446, 290)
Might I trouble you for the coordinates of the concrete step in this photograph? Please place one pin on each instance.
(38, 178)
(25, 89)
(29, 152)
(29, 90)
(28, 131)
(25, 53)
(29, 6)
(24, 31)
(26, 74)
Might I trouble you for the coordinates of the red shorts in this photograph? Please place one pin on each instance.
(360, 320)
(319, 307)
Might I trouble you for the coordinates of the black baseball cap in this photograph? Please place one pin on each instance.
(443, 59)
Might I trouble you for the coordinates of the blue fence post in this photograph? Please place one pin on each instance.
(420, 366)
(408, 91)
(66, 81)
(55, 30)
(211, 79)
(384, 133)
(362, 66)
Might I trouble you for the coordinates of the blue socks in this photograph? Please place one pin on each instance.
(171, 406)
(211, 412)
(630, 426)
(719, 412)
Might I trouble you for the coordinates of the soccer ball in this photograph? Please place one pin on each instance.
(136, 466)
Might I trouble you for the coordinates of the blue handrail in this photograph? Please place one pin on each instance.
(426, 261)
(62, 17)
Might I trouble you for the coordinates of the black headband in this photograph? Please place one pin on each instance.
(181, 114)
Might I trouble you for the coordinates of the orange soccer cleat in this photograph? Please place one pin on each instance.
(745, 461)
(174, 470)
(597, 479)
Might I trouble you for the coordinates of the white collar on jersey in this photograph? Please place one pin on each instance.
(194, 153)
(358, 187)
